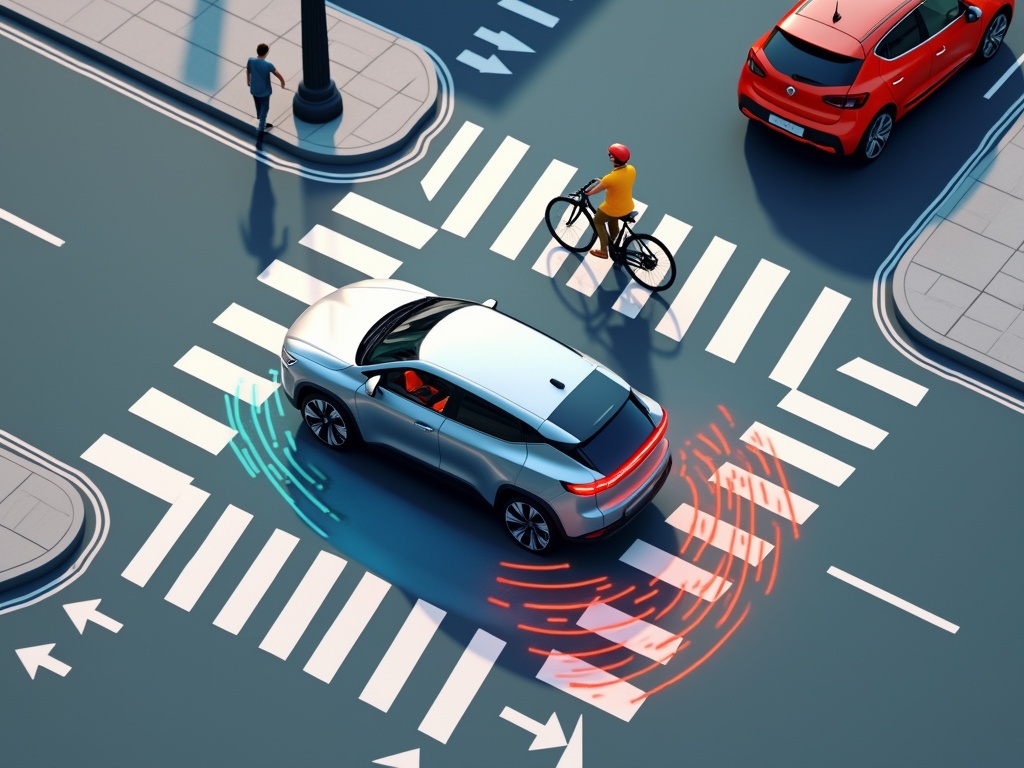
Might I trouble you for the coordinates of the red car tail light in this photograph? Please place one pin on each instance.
(753, 66)
(849, 101)
(641, 453)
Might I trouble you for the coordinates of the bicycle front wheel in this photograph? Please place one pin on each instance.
(649, 262)
(571, 223)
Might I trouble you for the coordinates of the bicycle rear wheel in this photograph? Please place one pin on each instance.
(571, 223)
(649, 262)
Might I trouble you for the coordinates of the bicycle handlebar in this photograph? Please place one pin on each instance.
(582, 191)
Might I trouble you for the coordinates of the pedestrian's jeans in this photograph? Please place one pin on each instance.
(262, 107)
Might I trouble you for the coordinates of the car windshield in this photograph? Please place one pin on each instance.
(808, 63)
(398, 335)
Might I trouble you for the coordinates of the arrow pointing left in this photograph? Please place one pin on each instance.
(87, 610)
(39, 656)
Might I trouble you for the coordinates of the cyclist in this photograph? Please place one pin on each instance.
(619, 198)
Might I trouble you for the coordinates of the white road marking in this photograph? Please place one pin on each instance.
(592, 270)
(530, 12)
(196, 576)
(461, 686)
(635, 634)
(386, 220)
(485, 187)
(720, 535)
(294, 282)
(226, 376)
(695, 290)
(349, 252)
(834, 420)
(675, 571)
(800, 455)
(591, 685)
(32, 229)
(167, 532)
(809, 339)
(280, 640)
(890, 598)
(1006, 76)
(407, 647)
(183, 421)
(448, 160)
(137, 468)
(348, 625)
(530, 213)
(671, 232)
(746, 312)
(256, 582)
(252, 327)
(884, 380)
(765, 493)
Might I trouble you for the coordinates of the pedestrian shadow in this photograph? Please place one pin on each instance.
(258, 233)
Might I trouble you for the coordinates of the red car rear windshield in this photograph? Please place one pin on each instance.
(808, 63)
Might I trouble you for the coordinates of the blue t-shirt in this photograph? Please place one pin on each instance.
(259, 76)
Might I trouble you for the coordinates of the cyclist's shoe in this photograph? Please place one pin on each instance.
(600, 254)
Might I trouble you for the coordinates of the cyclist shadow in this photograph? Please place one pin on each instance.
(618, 315)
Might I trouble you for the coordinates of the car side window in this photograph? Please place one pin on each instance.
(939, 14)
(903, 37)
(419, 386)
(476, 413)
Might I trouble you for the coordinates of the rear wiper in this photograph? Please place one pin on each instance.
(802, 79)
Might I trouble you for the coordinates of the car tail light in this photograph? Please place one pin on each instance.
(641, 453)
(849, 101)
(753, 66)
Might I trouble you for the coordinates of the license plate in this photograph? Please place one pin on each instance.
(796, 130)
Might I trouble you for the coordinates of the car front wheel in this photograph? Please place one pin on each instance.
(531, 526)
(329, 421)
(875, 138)
(993, 37)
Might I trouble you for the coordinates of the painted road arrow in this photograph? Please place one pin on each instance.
(86, 611)
(547, 734)
(410, 759)
(502, 40)
(573, 755)
(491, 66)
(39, 656)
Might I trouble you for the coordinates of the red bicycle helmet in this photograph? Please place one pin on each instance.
(620, 152)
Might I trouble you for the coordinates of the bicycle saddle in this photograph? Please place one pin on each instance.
(629, 217)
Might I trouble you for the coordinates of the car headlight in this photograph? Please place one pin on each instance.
(287, 358)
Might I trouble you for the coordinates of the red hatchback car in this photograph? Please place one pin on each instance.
(837, 75)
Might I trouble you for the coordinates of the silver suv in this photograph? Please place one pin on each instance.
(560, 446)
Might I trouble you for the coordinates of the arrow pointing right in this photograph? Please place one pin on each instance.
(547, 734)
(503, 40)
(39, 656)
(491, 66)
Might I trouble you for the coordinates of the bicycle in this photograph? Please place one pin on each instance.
(645, 257)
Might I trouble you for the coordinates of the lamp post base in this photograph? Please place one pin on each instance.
(319, 105)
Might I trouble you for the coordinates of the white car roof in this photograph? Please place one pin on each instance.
(510, 359)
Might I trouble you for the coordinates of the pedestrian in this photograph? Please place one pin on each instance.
(257, 77)
(619, 198)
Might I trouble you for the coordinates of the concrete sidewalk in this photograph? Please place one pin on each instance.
(196, 50)
(959, 288)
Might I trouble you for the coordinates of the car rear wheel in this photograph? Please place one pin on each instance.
(330, 421)
(530, 525)
(876, 137)
(993, 37)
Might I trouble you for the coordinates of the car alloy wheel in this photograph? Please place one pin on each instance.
(876, 137)
(994, 35)
(529, 525)
(327, 420)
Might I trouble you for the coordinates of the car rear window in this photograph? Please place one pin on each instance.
(618, 439)
(589, 405)
(808, 63)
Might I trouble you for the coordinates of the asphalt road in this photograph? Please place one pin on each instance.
(164, 228)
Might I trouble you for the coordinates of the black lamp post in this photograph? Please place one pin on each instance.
(317, 99)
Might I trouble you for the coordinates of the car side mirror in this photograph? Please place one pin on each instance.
(490, 303)
(371, 385)
(973, 14)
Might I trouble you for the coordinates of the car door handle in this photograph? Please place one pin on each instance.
(424, 427)
(941, 51)
(897, 82)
